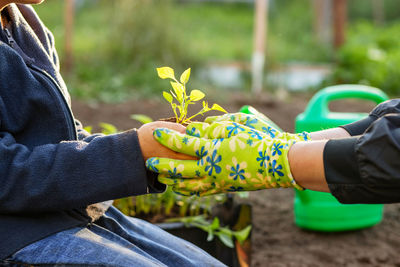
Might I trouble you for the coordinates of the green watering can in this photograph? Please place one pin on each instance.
(321, 211)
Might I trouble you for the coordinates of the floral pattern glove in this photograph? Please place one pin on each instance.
(262, 124)
(242, 159)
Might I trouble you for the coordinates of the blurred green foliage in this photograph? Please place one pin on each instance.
(363, 10)
(118, 44)
(371, 56)
(291, 37)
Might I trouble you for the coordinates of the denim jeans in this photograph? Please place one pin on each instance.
(114, 240)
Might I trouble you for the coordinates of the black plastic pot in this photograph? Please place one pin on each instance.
(237, 217)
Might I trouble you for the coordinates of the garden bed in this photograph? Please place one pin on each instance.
(276, 241)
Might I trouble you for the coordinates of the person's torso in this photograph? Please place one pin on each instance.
(35, 110)
(34, 102)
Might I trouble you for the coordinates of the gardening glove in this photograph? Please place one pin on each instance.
(235, 158)
(259, 122)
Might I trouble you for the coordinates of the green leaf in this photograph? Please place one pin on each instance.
(168, 96)
(88, 129)
(108, 128)
(179, 90)
(199, 219)
(210, 235)
(215, 224)
(166, 72)
(196, 95)
(141, 118)
(243, 234)
(226, 230)
(185, 76)
(226, 239)
(189, 219)
(218, 107)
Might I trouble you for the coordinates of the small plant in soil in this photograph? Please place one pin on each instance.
(168, 206)
(178, 97)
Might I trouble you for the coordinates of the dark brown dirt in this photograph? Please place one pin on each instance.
(277, 242)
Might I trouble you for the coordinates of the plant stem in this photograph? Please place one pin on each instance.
(176, 115)
(201, 112)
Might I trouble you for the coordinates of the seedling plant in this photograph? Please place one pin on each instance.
(178, 97)
(191, 211)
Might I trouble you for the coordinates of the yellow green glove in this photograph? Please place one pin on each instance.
(262, 124)
(232, 158)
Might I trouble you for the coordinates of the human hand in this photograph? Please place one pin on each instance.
(260, 123)
(235, 158)
(151, 148)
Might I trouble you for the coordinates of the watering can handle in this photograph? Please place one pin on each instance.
(318, 105)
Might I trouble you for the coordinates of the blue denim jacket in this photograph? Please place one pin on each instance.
(51, 169)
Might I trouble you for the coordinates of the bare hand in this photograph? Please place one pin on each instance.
(151, 148)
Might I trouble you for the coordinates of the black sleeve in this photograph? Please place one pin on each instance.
(387, 107)
(366, 169)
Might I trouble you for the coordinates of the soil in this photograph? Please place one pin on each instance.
(277, 241)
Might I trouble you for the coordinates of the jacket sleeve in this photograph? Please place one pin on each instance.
(154, 186)
(84, 135)
(70, 174)
(366, 169)
(387, 107)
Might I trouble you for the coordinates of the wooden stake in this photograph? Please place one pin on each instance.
(260, 33)
(339, 22)
(378, 11)
(323, 20)
(69, 14)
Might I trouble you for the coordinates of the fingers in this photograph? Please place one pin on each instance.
(163, 124)
(178, 186)
(187, 186)
(188, 193)
(226, 117)
(183, 193)
(256, 121)
(164, 178)
(151, 148)
(176, 168)
(180, 142)
(197, 129)
(216, 130)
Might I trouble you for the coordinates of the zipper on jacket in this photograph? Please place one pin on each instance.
(64, 106)
(9, 37)
(13, 44)
(63, 102)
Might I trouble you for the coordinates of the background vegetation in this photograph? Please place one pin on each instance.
(118, 44)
